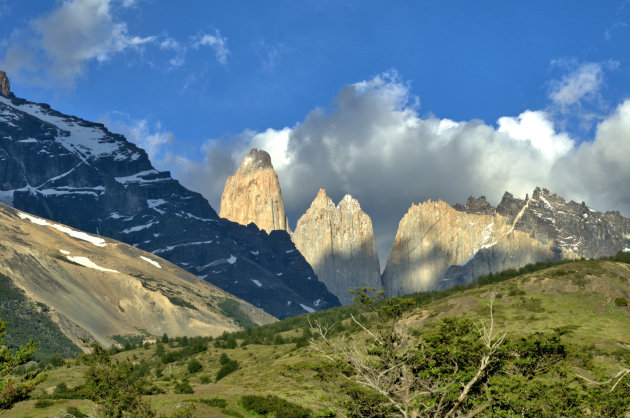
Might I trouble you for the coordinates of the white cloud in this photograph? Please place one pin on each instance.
(64, 41)
(216, 42)
(583, 83)
(374, 145)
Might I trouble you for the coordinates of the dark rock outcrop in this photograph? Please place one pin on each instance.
(78, 173)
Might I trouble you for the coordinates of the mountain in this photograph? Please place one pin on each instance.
(90, 287)
(338, 241)
(253, 194)
(439, 246)
(78, 173)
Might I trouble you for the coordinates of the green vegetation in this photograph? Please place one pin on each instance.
(12, 392)
(232, 308)
(275, 406)
(559, 346)
(27, 320)
(114, 385)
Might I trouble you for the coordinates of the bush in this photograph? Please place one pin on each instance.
(230, 367)
(224, 358)
(621, 302)
(76, 412)
(272, 404)
(194, 366)
(43, 403)
(213, 402)
(184, 387)
(205, 379)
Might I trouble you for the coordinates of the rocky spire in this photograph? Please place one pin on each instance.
(5, 86)
(253, 194)
(338, 242)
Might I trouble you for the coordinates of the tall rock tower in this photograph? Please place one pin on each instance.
(5, 86)
(338, 242)
(253, 194)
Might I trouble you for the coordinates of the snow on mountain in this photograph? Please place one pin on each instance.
(78, 173)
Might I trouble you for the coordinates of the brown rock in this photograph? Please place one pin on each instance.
(434, 238)
(253, 194)
(338, 242)
(5, 86)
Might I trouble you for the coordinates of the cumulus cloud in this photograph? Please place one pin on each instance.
(63, 42)
(374, 144)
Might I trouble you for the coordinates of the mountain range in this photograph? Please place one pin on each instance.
(76, 172)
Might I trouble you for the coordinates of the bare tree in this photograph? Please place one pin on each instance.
(385, 358)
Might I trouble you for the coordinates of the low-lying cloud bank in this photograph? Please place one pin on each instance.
(374, 144)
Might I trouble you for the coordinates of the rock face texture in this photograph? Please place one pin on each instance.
(439, 246)
(253, 194)
(78, 173)
(338, 242)
(95, 288)
(5, 86)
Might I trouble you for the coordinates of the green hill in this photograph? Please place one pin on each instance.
(567, 326)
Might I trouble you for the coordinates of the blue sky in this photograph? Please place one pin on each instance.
(389, 101)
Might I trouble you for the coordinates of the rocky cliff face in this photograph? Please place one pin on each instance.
(438, 246)
(78, 173)
(253, 194)
(338, 242)
(5, 86)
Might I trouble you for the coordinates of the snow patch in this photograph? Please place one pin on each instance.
(256, 282)
(99, 242)
(33, 219)
(255, 252)
(289, 251)
(64, 252)
(307, 308)
(154, 203)
(172, 247)
(232, 259)
(138, 228)
(148, 260)
(317, 302)
(626, 250)
(86, 262)
(278, 274)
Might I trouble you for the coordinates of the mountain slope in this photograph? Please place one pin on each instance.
(439, 246)
(78, 173)
(96, 288)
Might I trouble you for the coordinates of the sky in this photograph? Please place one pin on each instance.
(391, 102)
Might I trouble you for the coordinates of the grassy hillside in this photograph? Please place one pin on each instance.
(562, 320)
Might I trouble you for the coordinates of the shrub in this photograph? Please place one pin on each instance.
(205, 379)
(43, 403)
(184, 387)
(224, 358)
(272, 404)
(621, 302)
(194, 366)
(76, 412)
(213, 402)
(230, 367)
